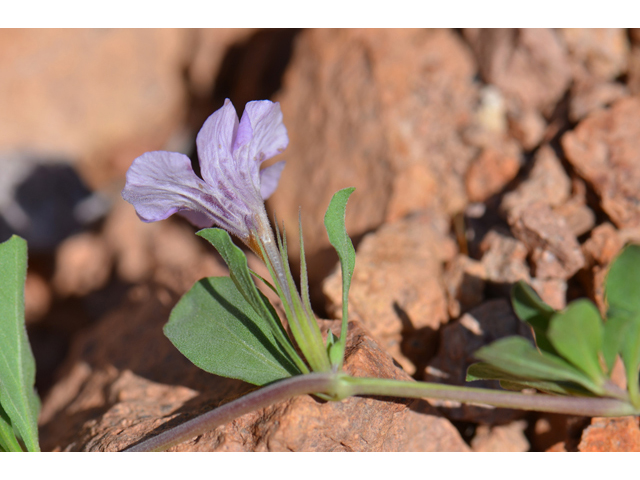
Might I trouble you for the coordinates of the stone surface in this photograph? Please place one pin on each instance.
(490, 172)
(83, 265)
(554, 250)
(381, 110)
(588, 96)
(579, 217)
(37, 297)
(527, 127)
(397, 289)
(528, 65)
(464, 283)
(501, 438)
(504, 258)
(633, 77)
(547, 182)
(459, 340)
(611, 435)
(100, 97)
(602, 52)
(603, 149)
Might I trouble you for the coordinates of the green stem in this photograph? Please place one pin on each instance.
(585, 406)
(304, 328)
(337, 386)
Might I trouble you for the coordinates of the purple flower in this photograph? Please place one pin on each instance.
(232, 190)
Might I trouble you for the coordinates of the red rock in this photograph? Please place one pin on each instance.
(504, 258)
(611, 435)
(579, 217)
(529, 66)
(380, 110)
(602, 52)
(547, 182)
(553, 291)
(37, 297)
(589, 96)
(99, 97)
(527, 127)
(603, 150)
(602, 246)
(83, 265)
(489, 173)
(501, 438)
(554, 250)
(397, 290)
(464, 282)
(633, 77)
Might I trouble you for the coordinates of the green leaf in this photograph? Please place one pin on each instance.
(615, 333)
(577, 333)
(8, 441)
(630, 353)
(241, 276)
(486, 371)
(622, 293)
(334, 222)
(214, 327)
(518, 357)
(531, 309)
(622, 285)
(17, 365)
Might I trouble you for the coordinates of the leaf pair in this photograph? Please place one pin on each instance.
(19, 404)
(225, 326)
(576, 349)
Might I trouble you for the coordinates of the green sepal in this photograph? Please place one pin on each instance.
(334, 222)
(17, 365)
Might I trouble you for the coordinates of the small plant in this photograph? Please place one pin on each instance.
(19, 403)
(225, 326)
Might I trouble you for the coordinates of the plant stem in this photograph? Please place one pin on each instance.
(585, 406)
(291, 387)
(337, 386)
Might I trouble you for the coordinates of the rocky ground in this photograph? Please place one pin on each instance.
(479, 157)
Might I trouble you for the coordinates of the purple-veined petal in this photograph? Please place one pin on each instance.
(269, 178)
(261, 136)
(160, 184)
(215, 142)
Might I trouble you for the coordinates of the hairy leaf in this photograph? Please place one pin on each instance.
(622, 293)
(577, 334)
(334, 222)
(517, 356)
(17, 365)
(214, 327)
(241, 276)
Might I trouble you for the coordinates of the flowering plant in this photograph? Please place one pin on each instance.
(227, 327)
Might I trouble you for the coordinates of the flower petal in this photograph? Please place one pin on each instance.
(160, 184)
(215, 142)
(261, 136)
(269, 178)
